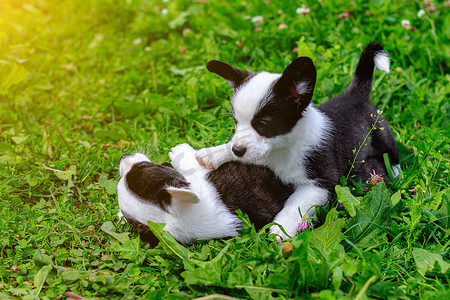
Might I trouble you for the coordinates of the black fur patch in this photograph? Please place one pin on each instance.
(362, 80)
(281, 112)
(148, 181)
(234, 76)
(255, 190)
(352, 117)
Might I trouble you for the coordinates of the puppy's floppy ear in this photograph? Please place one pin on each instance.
(297, 82)
(234, 76)
(183, 196)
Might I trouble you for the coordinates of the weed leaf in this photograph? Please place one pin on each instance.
(74, 275)
(346, 198)
(427, 261)
(240, 276)
(109, 185)
(7, 297)
(169, 244)
(40, 259)
(129, 250)
(396, 198)
(209, 274)
(63, 175)
(17, 73)
(371, 215)
(109, 228)
(443, 214)
(330, 233)
(40, 277)
(303, 49)
(179, 20)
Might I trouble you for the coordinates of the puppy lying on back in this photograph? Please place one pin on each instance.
(194, 202)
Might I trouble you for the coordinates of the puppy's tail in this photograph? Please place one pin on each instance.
(372, 55)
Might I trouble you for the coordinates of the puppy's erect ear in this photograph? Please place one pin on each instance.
(297, 82)
(182, 196)
(234, 76)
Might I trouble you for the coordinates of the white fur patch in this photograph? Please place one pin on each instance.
(303, 87)
(183, 195)
(286, 158)
(382, 61)
(249, 97)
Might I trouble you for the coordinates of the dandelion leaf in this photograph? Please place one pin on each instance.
(372, 214)
(330, 233)
(429, 262)
(345, 197)
(109, 228)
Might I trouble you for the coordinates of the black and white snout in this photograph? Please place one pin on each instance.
(238, 151)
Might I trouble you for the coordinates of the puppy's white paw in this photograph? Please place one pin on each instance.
(183, 158)
(181, 148)
(289, 220)
(205, 158)
(275, 229)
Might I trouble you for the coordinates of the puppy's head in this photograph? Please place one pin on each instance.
(266, 105)
(148, 191)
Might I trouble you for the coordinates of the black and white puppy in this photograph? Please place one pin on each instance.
(306, 146)
(195, 202)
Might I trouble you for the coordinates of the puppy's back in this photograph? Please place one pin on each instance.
(255, 190)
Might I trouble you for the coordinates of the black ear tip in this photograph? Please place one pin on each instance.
(305, 60)
(212, 65)
(304, 64)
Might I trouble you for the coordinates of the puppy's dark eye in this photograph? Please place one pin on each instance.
(261, 125)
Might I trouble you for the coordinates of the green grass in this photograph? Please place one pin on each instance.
(82, 82)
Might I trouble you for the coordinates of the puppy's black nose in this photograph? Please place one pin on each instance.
(125, 155)
(238, 151)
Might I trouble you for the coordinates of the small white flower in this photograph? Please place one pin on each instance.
(147, 48)
(137, 41)
(187, 31)
(421, 13)
(406, 23)
(164, 11)
(258, 20)
(300, 10)
(303, 10)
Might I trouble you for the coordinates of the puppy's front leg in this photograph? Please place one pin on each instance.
(214, 157)
(303, 199)
(183, 160)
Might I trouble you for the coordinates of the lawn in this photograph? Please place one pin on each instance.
(82, 82)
